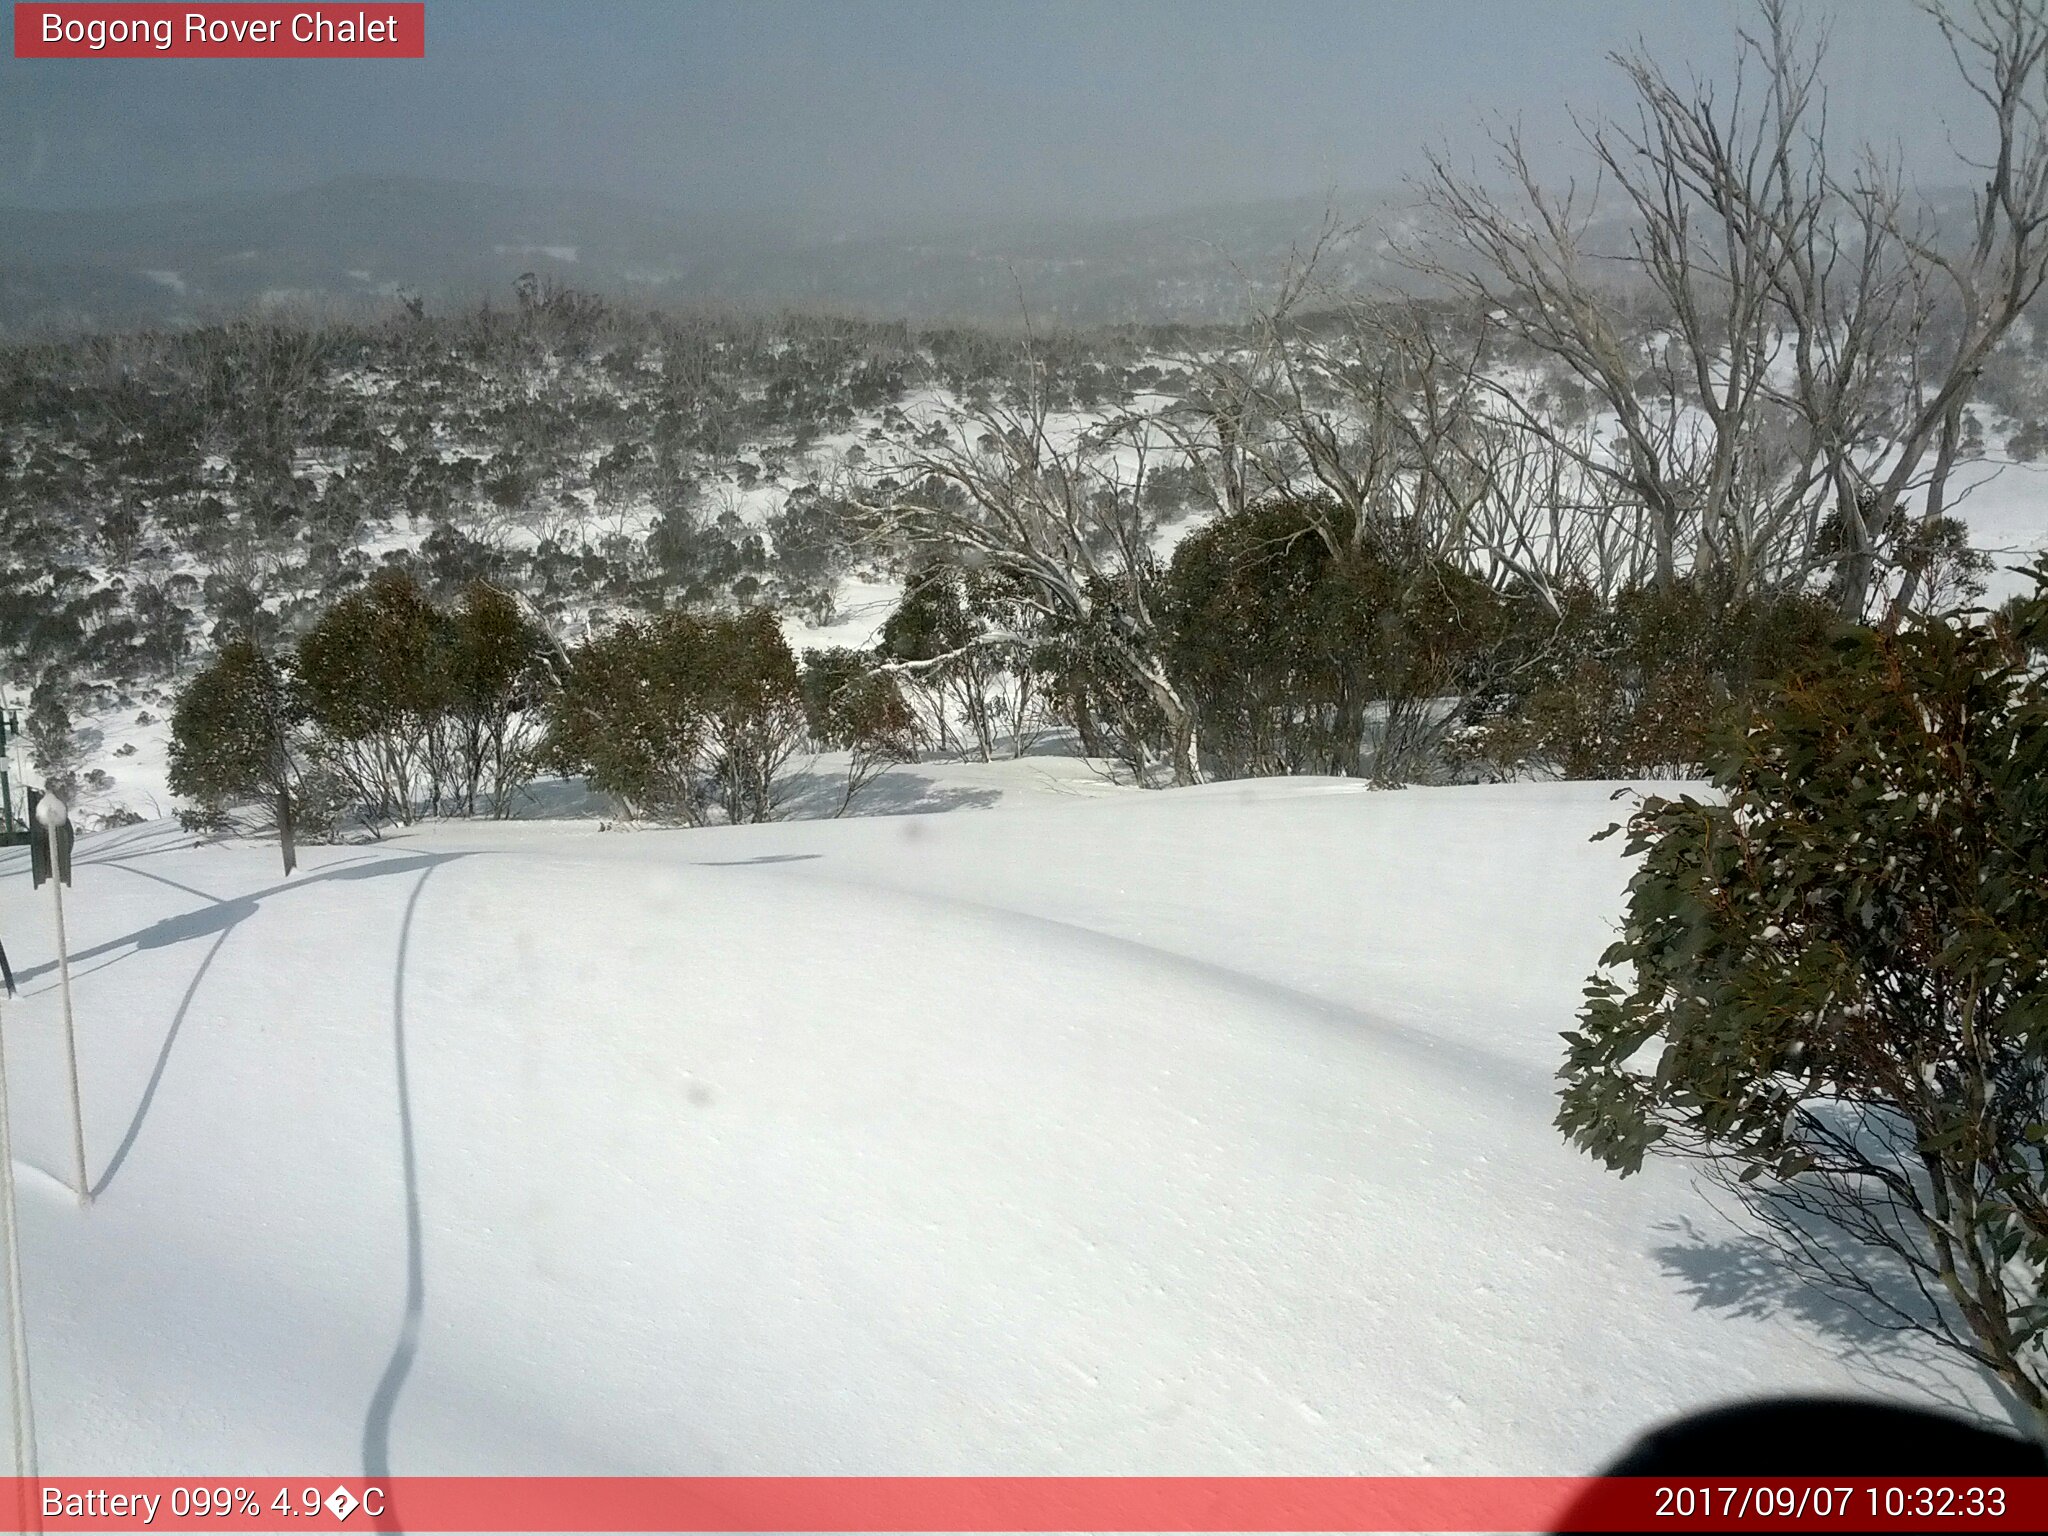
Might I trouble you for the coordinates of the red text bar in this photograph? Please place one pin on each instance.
(72, 29)
(926, 1504)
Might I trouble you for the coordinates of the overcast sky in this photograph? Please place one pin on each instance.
(962, 109)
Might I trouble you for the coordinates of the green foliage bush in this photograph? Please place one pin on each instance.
(1831, 988)
(234, 739)
(944, 628)
(372, 681)
(1631, 688)
(497, 671)
(682, 714)
(853, 707)
(1314, 646)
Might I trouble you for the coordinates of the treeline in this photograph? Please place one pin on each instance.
(1299, 644)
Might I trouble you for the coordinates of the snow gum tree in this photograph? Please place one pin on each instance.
(1784, 331)
(962, 640)
(630, 717)
(1307, 654)
(374, 677)
(52, 741)
(1055, 511)
(754, 703)
(682, 713)
(497, 675)
(1831, 987)
(232, 737)
(851, 706)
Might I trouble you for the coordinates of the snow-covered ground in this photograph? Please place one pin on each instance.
(1205, 1131)
(2004, 503)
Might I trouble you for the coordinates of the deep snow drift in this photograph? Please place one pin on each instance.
(1205, 1131)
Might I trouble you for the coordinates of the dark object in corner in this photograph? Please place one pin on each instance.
(1825, 1437)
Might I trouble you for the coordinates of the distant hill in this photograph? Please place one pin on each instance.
(360, 240)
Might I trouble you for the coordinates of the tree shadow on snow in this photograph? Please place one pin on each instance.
(94, 847)
(898, 791)
(1745, 1275)
(224, 913)
(156, 1074)
(220, 918)
(377, 1421)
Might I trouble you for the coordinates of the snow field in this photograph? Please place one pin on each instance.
(1204, 1131)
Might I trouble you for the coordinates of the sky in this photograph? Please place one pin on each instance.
(934, 110)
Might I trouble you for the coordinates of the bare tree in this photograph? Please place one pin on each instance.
(1383, 409)
(2001, 49)
(1527, 266)
(1056, 508)
(1785, 350)
(1330, 396)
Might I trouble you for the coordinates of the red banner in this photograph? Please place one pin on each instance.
(72, 29)
(923, 1504)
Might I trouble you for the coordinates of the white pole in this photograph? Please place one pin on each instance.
(51, 813)
(17, 1321)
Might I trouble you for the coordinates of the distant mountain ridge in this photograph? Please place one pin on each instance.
(357, 241)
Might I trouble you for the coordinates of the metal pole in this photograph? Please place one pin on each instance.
(17, 1319)
(70, 1048)
(51, 813)
(6, 786)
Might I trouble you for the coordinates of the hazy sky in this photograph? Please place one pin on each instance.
(914, 107)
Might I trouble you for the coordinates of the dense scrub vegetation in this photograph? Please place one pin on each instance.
(392, 706)
(608, 473)
(1540, 523)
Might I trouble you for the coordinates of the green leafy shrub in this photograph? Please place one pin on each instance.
(373, 679)
(1632, 688)
(681, 713)
(1832, 985)
(852, 707)
(1312, 646)
(497, 678)
(234, 740)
